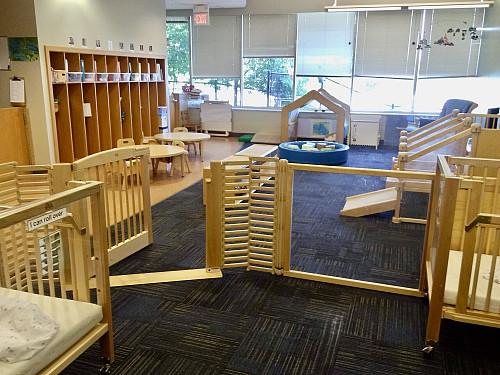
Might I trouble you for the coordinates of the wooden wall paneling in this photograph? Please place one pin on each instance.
(114, 112)
(146, 122)
(63, 124)
(135, 107)
(104, 122)
(92, 122)
(77, 120)
(126, 110)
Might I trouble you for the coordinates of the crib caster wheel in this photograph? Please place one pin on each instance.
(428, 351)
(105, 366)
(105, 369)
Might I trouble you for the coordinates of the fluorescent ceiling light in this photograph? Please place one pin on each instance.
(410, 6)
(362, 8)
(458, 5)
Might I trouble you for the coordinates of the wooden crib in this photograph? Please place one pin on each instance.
(45, 250)
(462, 245)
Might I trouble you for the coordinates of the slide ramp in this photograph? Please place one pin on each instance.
(370, 203)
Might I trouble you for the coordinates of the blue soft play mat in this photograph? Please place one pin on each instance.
(307, 152)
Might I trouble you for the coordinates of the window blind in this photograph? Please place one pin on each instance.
(451, 54)
(325, 44)
(387, 44)
(217, 48)
(270, 35)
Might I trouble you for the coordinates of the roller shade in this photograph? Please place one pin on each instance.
(269, 35)
(453, 55)
(387, 44)
(325, 44)
(217, 48)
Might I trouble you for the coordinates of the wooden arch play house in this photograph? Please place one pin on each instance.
(290, 114)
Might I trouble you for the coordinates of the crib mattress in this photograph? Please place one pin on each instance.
(453, 275)
(75, 320)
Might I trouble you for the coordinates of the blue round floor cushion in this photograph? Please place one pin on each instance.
(314, 152)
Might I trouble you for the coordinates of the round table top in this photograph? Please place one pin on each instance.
(164, 151)
(182, 136)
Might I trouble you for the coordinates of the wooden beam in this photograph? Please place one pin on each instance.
(161, 277)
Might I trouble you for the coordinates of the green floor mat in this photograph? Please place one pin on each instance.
(246, 138)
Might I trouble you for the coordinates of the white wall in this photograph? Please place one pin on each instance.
(255, 120)
(17, 19)
(128, 21)
(53, 21)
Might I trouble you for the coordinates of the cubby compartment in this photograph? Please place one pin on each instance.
(102, 96)
(91, 119)
(75, 96)
(104, 122)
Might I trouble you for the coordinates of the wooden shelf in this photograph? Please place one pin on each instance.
(118, 109)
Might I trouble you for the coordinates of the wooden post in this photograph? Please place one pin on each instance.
(287, 217)
(214, 216)
(102, 270)
(446, 216)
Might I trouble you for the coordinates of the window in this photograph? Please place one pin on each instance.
(268, 82)
(373, 61)
(381, 94)
(178, 53)
(325, 54)
(325, 44)
(224, 89)
(217, 48)
(268, 50)
(339, 87)
(454, 41)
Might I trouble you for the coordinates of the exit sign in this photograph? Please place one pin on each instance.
(201, 19)
(200, 14)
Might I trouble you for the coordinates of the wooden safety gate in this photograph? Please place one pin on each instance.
(245, 202)
(249, 217)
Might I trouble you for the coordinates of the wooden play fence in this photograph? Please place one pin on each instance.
(249, 209)
(249, 216)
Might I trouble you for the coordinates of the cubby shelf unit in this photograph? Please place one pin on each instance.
(91, 115)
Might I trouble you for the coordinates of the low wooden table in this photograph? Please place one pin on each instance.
(157, 152)
(184, 137)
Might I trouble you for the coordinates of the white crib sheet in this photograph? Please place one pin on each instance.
(75, 320)
(453, 276)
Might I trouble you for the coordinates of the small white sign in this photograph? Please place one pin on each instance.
(48, 218)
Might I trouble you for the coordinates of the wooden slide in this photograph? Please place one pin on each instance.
(371, 203)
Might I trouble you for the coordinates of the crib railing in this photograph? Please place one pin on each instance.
(20, 184)
(44, 252)
(464, 218)
(125, 175)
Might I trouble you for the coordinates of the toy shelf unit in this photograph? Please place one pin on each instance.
(365, 130)
(102, 96)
